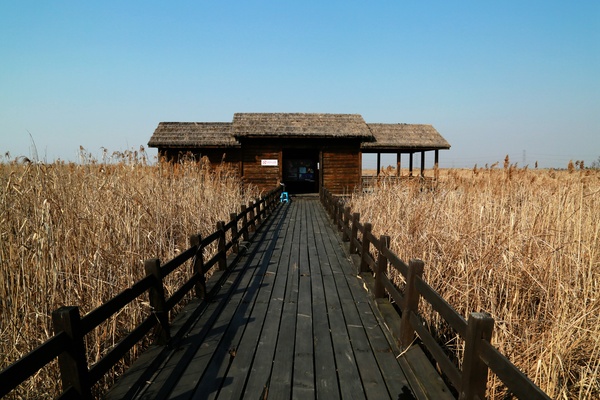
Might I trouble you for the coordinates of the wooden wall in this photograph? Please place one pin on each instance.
(340, 160)
(265, 177)
(341, 167)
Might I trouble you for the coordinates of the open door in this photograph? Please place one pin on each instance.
(301, 170)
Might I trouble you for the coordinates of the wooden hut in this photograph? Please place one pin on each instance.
(303, 151)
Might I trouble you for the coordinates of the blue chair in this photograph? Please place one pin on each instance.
(284, 198)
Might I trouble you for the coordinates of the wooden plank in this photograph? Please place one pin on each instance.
(300, 325)
(303, 376)
(260, 373)
(174, 363)
(370, 375)
(193, 353)
(283, 362)
(349, 377)
(217, 372)
(135, 378)
(423, 380)
(326, 382)
(241, 363)
(177, 365)
(382, 344)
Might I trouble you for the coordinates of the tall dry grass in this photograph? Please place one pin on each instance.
(77, 234)
(520, 244)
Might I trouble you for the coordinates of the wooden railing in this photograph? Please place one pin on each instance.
(479, 354)
(68, 343)
(375, 180)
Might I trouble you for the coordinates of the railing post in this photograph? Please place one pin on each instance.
(198, 266)
(346, 224)
(275, 198)
(245, 235)
(72, 362)
(252, 226)
(354, 233)
(334, 214)
(157, 301)
(382, 267)
(221, 246)
(411, 301)
(258, 211)
(475, 371)
(364, 252)
(340, 214)
(234, 233)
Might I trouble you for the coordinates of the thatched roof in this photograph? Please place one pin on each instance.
(394, 137)
(300, 125)
(193, 134)
(374, 137)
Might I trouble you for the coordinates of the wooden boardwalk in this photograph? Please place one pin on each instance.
(290, 320)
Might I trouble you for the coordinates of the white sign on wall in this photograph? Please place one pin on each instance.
(269, 163)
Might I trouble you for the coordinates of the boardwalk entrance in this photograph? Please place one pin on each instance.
(291, 320)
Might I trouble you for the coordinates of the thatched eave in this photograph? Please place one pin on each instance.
(193, 135)
(399, 137)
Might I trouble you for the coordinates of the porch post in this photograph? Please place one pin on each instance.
(436, 164)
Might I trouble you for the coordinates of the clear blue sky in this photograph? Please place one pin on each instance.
(495, 78)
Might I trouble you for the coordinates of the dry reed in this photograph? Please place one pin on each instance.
(77, 234)
(522, 245)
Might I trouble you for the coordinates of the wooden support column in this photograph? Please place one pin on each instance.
(398, 163)
(436, 161)
(422, 164)
(378, 163)
(410, 165)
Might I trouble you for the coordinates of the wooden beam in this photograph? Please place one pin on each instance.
(398, 164)
(422, 164)
(410, 165)
(378, 163)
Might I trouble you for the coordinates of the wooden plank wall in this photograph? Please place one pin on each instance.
(266, 178)
(341, 168)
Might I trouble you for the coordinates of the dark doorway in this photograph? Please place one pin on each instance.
(301, 170)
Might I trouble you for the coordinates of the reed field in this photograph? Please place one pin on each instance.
(520, 244)
(78, 234)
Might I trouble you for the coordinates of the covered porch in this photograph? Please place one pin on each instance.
(403, 142)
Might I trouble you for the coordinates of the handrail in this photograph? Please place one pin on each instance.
(68, 343)
(480, 356)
